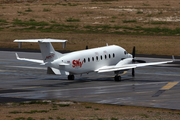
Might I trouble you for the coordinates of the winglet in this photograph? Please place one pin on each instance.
(173, 58)
(17, 56)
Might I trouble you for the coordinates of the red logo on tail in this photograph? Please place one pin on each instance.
(49, 57)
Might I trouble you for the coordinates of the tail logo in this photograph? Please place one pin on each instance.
(49, 57)
(77, 63)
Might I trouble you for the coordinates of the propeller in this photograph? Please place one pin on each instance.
(134, 60)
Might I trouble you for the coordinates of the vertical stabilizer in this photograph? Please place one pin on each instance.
(48, 52)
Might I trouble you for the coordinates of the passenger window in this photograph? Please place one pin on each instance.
(84, 60)
(96, 57)
(101, 57)
(88, 59)
(113, 55)
(92, 58)
(105, 56)
(109, 56)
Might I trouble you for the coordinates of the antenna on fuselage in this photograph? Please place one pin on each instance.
(106, 44)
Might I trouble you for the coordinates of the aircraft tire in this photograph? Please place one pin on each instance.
(117, 78)
(70, 77)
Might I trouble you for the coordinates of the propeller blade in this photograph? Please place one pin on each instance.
(133, 52)
(140, 61)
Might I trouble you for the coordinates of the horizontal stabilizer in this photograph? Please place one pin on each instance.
(40, 40)
(29, 60)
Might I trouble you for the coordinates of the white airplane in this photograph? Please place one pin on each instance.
(111, 58)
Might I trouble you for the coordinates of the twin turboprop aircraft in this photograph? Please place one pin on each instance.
(111, 58)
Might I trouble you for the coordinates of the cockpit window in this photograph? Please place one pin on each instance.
(125, 52)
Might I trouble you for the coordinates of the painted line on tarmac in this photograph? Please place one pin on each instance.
(165, 88)
(169, 85)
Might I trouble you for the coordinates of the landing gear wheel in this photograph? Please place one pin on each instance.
(117, 78)
(70, 77)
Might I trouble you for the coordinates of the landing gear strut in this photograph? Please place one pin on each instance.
(70, 77)
(117, 78)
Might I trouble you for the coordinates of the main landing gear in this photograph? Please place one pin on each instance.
(70, 77)
(117, 78)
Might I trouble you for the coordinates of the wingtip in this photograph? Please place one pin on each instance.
(173, 58)
(17, 56)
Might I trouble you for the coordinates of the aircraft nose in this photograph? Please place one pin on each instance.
(129, 55)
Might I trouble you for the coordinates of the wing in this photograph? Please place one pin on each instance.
(126, 65)
(29, 60)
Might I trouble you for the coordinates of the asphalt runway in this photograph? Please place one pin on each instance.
(153, 86)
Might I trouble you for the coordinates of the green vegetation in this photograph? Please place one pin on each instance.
(50, 118)
(42, 26)
(87, 12)
(88, 107)
(145, 4)
(46, 10)
(160, 12)
(31, 22)
(3, 21)
(114, 17)
(158, 22)
(103, 0)
(30, 118)
(64, 105)
(143, 115)
(72, 20)
(34, 102)
(37, 111)
(28, 10)
(20, 118)
(46, 4)
(139, 12)
(96, 109)
(58, 118)
(1, 28)
(129, 21)
(15, 112)
(70, 4)
(114, 118)
(149, 15)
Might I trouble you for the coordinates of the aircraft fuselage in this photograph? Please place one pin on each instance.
(89, 60)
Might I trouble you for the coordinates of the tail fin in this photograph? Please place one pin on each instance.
(47, 50)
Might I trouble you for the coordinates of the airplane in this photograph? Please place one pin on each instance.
(110, 58)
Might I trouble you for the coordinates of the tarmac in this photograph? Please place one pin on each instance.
(152, 86)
